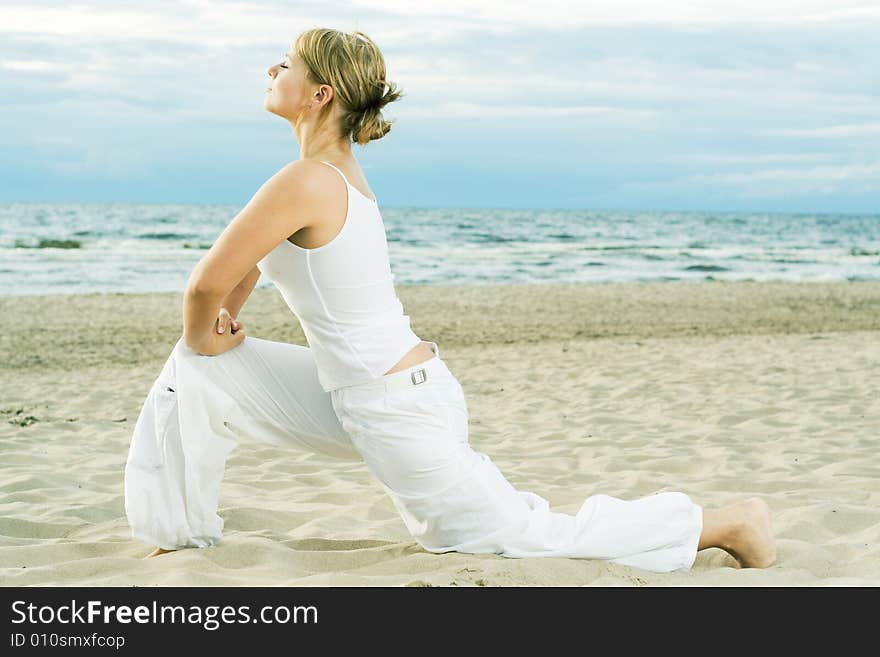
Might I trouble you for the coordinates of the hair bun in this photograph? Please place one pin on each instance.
(353, 65)
(377, 105)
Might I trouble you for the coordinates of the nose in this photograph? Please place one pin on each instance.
(272, 70)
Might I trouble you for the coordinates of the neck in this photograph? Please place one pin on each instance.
(318, 144)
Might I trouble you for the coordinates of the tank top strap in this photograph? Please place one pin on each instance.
(337, 169)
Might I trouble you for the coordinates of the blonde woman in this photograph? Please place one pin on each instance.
(367, 387)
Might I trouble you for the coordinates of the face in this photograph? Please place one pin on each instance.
(290, 93)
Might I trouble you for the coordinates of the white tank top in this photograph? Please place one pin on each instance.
(343, 295)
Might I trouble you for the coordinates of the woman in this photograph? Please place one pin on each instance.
(367, 387)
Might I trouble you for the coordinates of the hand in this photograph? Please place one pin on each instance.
(225, 320)
(220, 341)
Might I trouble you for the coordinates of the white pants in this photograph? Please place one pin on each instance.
(411, 429)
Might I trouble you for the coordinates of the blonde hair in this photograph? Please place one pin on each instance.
(353, 65)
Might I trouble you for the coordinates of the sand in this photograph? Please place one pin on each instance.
(722, 390)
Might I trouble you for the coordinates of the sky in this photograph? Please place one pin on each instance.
(754, 105)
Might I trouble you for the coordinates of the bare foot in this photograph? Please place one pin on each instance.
(751, 540)
(157, 552)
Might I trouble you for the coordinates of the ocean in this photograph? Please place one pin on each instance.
(79, 248)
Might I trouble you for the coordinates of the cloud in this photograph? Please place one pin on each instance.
(475, 110)
(712, 158)
(654, 89)
(764, 183)
(567, 14)
(25, 65)
(208, 24)
(852, 130)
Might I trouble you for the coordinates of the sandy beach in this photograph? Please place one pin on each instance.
(722, 390)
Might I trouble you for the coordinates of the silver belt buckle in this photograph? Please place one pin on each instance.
(419, 376)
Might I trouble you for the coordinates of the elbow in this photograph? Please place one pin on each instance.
(203, 289)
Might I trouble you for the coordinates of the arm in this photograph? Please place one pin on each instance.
(200, 307)
(235, 299)
(283, 205)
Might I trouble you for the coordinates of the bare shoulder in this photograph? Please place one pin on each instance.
(304, 188)
(308, 178)
(300, 178)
